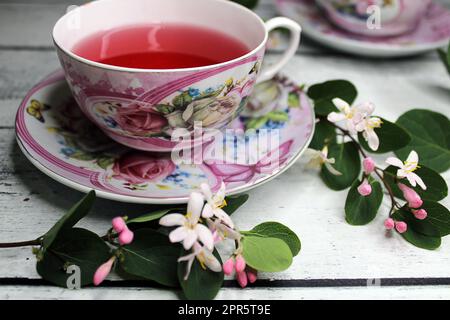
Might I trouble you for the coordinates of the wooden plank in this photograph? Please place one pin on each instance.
(343, 293)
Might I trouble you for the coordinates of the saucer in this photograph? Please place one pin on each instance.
(432, 33)
(59, 140)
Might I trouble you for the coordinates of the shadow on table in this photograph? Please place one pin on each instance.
(58, 195)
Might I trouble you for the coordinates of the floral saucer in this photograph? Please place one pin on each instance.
(59, 140)
(433, 32)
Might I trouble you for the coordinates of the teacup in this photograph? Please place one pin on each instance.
(128, 103)
(375, 17)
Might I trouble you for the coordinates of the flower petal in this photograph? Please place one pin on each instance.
(417, 180)
(195, 206)
(205, 236)
(411, 179)
(178, 235)
(190, 239)
(224, 217)
(207, 211)
(413, 157)
(211, 261)
(336, 117)
(173, 219)
(332, 170)
(221, 193)
(373, 140)
(393, 161)
(340, 104)
(206, 190)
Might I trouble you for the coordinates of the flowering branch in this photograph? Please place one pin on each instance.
(187, 258)
(422, 220)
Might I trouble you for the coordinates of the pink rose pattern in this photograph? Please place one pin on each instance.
(140, 167)
(140, 120)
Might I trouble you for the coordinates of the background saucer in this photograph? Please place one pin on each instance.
(57, 138)
(432, 33)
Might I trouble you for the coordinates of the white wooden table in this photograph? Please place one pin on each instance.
(336, 259)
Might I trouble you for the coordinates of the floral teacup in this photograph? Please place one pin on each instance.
(141, 108)
(375, 17)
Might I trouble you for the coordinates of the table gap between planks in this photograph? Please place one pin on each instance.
(336, 259)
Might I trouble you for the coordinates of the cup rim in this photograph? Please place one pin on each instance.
(139, 70)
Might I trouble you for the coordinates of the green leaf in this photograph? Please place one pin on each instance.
(436, 186)
(439, 216)
(151, 256)
(324, 107)
(266, 254)
(278, 116)
(293, 100)
(256, 123)
(234, 202)
(420, 233)
(105, 162)
(155, 215)
(360, 210)
(201, 284)
(333, 89)
(182, 100)
(430, 132)
(324, 93)
(277, 230)
(75, 246)
(83, 156)
(392, 137)
(75, 214)
(347, 162)
(164, 108)
(324, 134)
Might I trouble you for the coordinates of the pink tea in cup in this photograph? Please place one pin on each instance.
(160, 46)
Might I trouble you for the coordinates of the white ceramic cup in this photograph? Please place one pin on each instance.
(125, 102)
(394, 17)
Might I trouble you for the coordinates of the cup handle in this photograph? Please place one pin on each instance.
(295, 30)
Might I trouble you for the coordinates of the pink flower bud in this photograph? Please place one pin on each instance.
(401, 226)
(413, 198)
(126, 237)
(368, 165)
(240, 263)
(389, 224)
(103, 271)
(118, 224)
(420, 214)
(252, 275)
(365, 189)
(228, 266)
(241, 278)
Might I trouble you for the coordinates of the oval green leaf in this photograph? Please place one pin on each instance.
(277, 230)
(324, 93)
(347, 162)
(79, 247)
(266, 254)
(151, 256)
(360, 210)
(420, 233)
(430, 133)
(324, 134)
